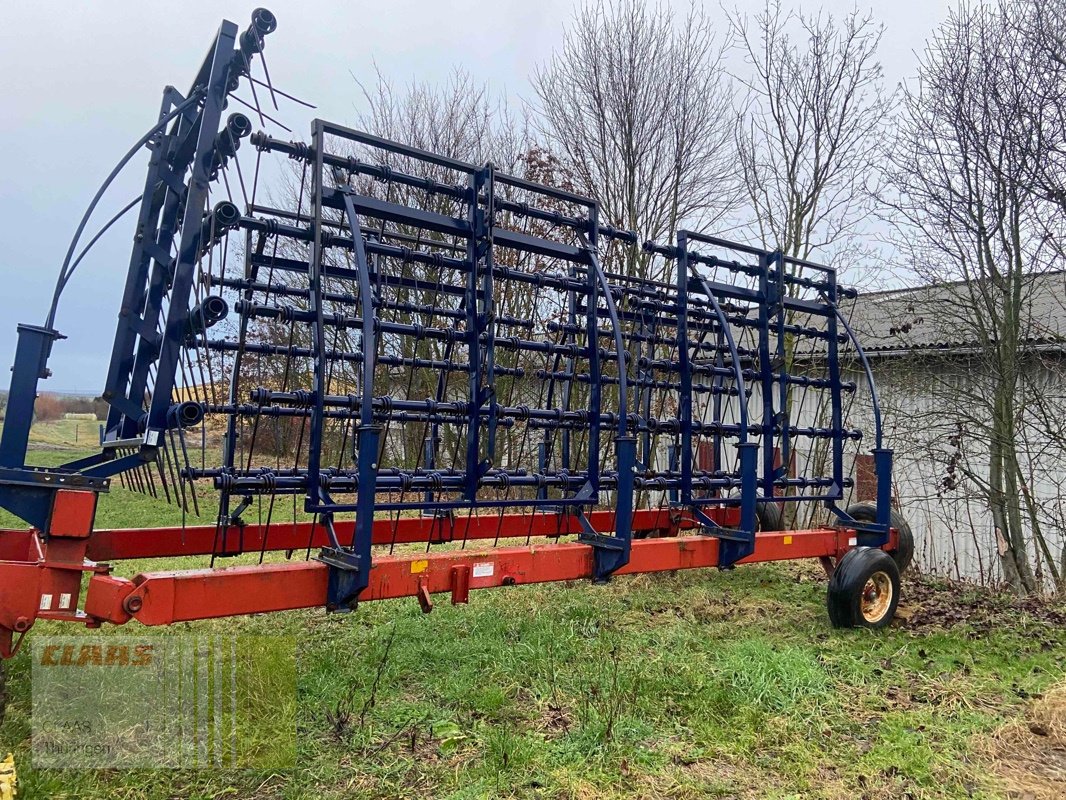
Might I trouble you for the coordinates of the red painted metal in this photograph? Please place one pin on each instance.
(41, 575)
(72, 513)
(118, 544)
(167, 597)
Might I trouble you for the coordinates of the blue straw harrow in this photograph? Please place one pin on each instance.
(412, 336)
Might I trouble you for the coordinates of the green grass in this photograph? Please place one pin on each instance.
(689, 685)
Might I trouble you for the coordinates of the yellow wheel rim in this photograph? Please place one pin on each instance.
(877, 597)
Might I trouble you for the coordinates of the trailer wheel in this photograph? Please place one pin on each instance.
(769, 517)
(904, 554)
(864, 589)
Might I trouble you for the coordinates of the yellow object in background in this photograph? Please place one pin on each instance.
(8, 779)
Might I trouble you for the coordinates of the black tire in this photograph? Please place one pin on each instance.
(769, 517)
(864, 589)
(904, 554)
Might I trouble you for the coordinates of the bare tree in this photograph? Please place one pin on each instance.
(1035, 32)
(810, 128)
(809, 139)
(974, 223)
(636, 106)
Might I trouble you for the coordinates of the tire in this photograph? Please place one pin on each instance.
(864, 589)
(904, 554)
(769, 517)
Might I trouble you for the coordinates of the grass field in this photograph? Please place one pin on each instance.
(697, 684)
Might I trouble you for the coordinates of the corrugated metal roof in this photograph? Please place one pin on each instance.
(943, 316)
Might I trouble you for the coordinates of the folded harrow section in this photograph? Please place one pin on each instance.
(401, 347)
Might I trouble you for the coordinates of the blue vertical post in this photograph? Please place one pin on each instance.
(671, 457)
(487, 317)
(767, 298)
(684, 412)
(318, 333)
(474, 319)
(837, 408)
(777, 259)
(429, 459)
(646, 376)
(592, 340)
(732, 550)
(883, 471)
(31, 364)
(542, 467)
(571, 368)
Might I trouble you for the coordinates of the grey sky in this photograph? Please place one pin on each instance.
(82, 82)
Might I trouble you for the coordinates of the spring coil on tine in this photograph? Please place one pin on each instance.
(521, 412)
(301, 151)
(385, 403)
(303, 398)
(385, 175)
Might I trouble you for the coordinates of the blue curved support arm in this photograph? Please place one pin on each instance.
(619, 341)
(733, 549)
(349, 571)
(882, 455)
(612, 552)
(366, 306)
(865, 362)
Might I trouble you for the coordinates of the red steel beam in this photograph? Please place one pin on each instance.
(118, 544)
(162, 598)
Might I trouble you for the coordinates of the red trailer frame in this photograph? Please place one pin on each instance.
(41, 575)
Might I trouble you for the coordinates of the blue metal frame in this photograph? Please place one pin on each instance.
(600, 345)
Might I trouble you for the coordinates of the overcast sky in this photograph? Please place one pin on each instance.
(82, 82)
